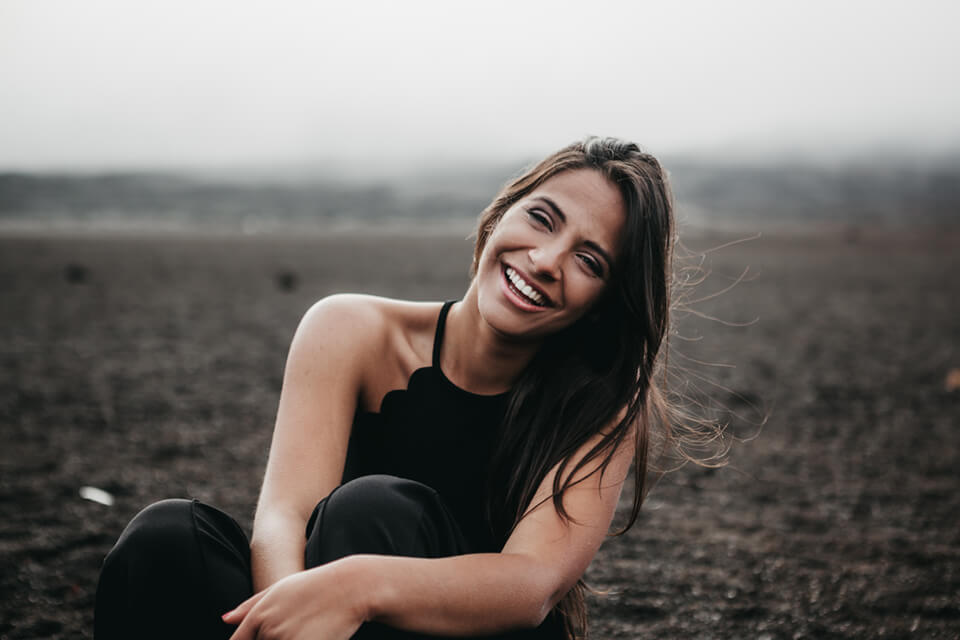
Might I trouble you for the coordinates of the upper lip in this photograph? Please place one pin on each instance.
(547, 300)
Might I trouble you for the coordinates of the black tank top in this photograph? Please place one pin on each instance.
(436, 433)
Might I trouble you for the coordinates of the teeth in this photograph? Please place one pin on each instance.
(523, 287)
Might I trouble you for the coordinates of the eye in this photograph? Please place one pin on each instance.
(540, 218)
(591, 263)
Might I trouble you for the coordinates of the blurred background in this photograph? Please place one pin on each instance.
(180, 181)
(251, 115)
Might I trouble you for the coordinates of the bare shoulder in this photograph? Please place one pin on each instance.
(365, 327)
(345, 315)
(366, 316)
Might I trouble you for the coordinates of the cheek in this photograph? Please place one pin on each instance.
(488, 272)
(496, 244)
(587, 293)
(488, 260)
(512, 229)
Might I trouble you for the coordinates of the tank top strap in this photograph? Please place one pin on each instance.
(438, 336)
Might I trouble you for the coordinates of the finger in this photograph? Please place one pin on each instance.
(237, 615)
(249, 627)
(246, 631)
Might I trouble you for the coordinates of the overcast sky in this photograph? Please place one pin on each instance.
(118, 84)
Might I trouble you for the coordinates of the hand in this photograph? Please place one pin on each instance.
(303, 606)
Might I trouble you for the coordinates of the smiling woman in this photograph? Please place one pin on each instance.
(444, 469)
(551, 254)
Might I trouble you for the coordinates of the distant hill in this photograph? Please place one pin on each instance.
(855, 194)
(706, 195)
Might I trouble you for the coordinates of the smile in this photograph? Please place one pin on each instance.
(520, 287)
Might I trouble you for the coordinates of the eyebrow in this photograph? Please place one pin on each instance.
(563, 218)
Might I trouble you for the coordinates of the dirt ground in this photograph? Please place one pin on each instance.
(150, 367)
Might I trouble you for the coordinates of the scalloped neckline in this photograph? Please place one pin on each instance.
(435, 366)
(454, 386)
(437, 351)
(444, 380)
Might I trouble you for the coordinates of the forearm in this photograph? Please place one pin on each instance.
(276, 549)
(459, 595)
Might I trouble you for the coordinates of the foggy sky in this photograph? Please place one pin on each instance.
(119, 84)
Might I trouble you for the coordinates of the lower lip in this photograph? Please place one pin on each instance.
(514, 297)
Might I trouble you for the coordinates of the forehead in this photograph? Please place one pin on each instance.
(592, 205)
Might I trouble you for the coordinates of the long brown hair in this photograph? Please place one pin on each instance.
(598, 372)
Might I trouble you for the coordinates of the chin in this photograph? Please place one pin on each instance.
(505, 321)
(515, 325)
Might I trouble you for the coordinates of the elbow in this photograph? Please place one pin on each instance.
(541, 585)
(543, 605)
(539, 615)
(536, 614)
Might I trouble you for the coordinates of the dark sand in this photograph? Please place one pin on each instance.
(150, 367)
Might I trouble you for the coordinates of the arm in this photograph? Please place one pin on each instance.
(488, 593)
(460, 595)
(320, 385)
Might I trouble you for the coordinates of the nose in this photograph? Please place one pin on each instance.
(546, 261)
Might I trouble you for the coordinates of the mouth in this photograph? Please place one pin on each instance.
(523, 290)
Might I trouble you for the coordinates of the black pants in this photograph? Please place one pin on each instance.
(180, 564)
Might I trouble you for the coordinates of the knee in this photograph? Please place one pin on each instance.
(373, 514)
(377, 497)
(161, 531)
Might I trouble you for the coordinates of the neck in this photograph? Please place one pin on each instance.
(475, 357)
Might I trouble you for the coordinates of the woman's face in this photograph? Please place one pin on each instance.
(551, 255)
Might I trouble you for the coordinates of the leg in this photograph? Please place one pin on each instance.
(176, 568)
(383, 515)
(390, 516)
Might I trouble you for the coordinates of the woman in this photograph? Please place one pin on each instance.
(467, 457)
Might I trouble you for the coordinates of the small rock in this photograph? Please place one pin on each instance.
(287, 280)
(75, 273)
(96, 495)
